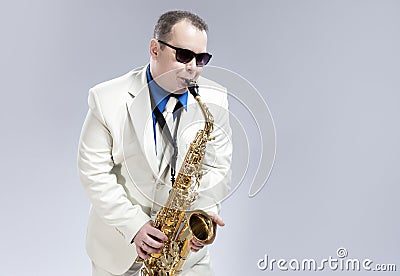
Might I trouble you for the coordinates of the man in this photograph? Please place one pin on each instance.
(125, 161)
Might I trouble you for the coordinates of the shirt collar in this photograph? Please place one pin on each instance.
(160, 95)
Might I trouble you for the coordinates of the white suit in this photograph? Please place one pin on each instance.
(119, 170)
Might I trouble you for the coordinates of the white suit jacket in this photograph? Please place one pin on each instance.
(119, 170)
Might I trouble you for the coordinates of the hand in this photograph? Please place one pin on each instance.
(194, 244)
(149, 240)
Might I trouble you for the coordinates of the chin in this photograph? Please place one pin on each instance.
(180, 90)
(181, 85)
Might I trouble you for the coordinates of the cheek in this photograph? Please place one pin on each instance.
(198, 71)
(172, 66)
(179, 68)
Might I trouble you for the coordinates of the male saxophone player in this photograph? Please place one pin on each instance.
(123, 163)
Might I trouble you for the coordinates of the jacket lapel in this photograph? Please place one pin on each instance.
(139, 109)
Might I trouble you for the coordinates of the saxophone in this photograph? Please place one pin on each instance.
(172, 219)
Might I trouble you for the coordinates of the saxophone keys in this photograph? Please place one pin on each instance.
(169, 221)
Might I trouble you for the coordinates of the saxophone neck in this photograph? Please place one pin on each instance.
(193, 88)
(208, 117)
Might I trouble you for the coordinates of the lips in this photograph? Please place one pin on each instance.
(182, 81)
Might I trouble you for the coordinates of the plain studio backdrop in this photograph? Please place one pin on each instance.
(328, 70)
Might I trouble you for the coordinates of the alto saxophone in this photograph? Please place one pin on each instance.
(172, 219)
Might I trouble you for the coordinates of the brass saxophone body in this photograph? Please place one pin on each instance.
(173, 218)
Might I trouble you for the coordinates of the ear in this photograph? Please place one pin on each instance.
(154, 48)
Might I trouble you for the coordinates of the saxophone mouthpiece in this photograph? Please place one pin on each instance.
(193, 87)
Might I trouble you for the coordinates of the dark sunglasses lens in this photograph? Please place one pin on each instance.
(183, 55)
(203, 59)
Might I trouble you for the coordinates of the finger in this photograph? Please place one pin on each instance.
(195, 247)
(217, 219)
(149, 250)
(157, 234)
(151, 242)
(220, 222)
(142, 254)
(195, 242)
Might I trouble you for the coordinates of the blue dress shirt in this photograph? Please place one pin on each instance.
(161, 98)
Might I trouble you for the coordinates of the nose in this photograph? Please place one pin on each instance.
(191, 65)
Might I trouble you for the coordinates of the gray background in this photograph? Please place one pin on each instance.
(329, 71)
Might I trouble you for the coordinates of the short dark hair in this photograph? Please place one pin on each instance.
(166, 21)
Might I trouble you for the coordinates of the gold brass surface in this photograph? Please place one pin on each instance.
(172, 219)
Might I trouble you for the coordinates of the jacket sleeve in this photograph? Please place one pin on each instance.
(95, 166)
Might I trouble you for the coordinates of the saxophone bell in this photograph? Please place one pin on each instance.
(202, 227)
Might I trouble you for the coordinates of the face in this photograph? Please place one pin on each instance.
(165, 69)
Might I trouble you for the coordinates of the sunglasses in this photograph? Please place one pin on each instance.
(185, 55)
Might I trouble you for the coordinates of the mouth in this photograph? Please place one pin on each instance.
(184, 81)
(181, 85)
(187, 81)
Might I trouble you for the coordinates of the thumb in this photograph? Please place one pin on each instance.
(217, 219)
